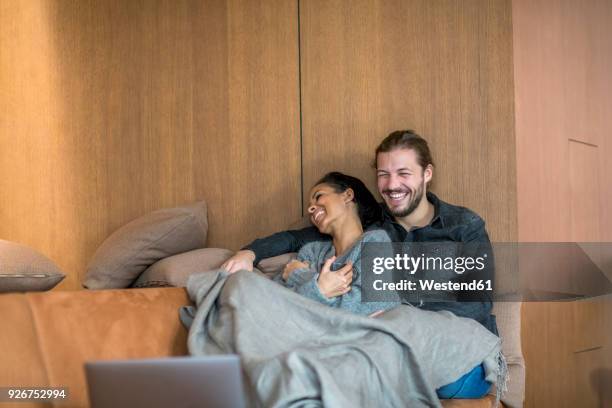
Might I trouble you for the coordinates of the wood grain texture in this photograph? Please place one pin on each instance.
(112, 109)
(442, 68)
(563, 94)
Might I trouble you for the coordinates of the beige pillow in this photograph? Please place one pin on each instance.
(272, 266)
(134, 247)
(174, 270)
(24, 269)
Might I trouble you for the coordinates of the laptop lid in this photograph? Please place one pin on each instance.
(177, 382)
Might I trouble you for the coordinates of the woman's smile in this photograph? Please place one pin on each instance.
(317, 216)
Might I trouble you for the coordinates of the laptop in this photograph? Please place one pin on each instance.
(177, 382)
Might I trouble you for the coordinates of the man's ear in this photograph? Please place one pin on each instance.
(428, 173)
(349, 195)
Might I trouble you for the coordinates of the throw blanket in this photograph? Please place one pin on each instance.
(296, 352)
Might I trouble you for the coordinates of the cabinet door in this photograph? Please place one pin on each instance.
(442, 68)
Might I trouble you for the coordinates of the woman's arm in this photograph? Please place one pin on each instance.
(301, 269)
(343, 295)
(295, 273)
(351, 298)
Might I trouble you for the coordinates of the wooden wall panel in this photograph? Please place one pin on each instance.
(112, 109)
(563, 94)
(442, 68)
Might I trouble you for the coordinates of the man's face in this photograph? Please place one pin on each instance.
(402, 182)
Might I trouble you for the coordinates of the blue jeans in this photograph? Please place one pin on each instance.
(471, 385)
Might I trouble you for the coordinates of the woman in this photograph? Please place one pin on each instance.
(329, 272)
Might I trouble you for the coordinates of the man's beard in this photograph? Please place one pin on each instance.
(415, 200)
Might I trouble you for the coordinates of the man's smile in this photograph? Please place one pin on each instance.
(396, 197)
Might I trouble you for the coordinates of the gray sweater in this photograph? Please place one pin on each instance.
(304, 280)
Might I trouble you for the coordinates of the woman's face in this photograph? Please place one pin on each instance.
(327, 206)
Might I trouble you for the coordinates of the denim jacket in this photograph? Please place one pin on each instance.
(450, 223)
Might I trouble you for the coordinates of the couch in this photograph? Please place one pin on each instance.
(48, 336)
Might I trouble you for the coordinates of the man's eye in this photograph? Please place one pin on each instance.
(381, 175)
(405, 174)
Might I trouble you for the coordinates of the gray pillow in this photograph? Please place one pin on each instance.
(174, 270)
(127, 252)
(24, 269)
(274, 265)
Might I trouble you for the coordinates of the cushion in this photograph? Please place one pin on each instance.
(274, 265)
(174, 270)
(24, 269)
(134, 247)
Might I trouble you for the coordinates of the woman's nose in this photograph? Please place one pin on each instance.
(311, 209)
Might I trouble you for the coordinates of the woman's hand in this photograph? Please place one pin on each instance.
(241, 260)
(292, 266)
(335, 283)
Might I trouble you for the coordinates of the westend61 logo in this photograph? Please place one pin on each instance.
(429, 271)
(475, 271)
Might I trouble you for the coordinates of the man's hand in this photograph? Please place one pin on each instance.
(292, 266)
(335, 283)
(241, 260)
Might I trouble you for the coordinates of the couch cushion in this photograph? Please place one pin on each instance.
(274, 265)
(134, 247)
(174, 270)
(24, 269)
(74, 327)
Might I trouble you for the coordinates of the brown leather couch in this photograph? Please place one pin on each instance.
(48, 336)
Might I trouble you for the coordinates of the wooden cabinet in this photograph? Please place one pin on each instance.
(563, 87)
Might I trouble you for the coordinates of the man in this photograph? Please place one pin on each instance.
(404, 168)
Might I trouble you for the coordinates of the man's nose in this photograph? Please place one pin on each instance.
(311, 209)
(392, 182)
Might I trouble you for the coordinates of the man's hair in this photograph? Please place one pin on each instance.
(406, 139)
(367, 207)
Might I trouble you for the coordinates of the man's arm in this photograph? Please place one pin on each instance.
(283, 242)
(273, 245)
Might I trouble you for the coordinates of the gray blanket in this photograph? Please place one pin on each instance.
(296, 352)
